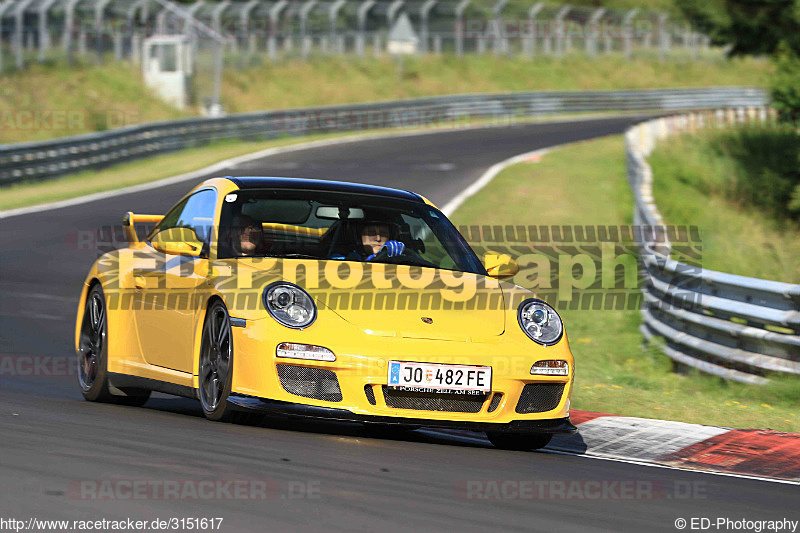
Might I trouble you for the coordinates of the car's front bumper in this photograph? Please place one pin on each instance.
(361, 366)
(298, 410)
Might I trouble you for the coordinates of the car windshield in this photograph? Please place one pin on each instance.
(341, 226)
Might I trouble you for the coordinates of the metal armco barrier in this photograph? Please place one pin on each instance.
(53, 158)
(738, 328)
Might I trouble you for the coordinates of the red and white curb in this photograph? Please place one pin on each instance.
(743, 452)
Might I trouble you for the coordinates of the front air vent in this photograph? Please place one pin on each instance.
(495, 403)
(423, 401)
(539, 397)
(370, 394)
(310, 382)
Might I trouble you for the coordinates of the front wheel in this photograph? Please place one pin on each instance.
(215, 374)
(519, 441)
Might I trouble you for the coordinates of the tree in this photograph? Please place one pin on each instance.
(785, 90)
(750, 27)
(757, 27)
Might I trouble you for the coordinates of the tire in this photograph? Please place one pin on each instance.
(519, 441)
(215, 364)
(93, 355)
(93, 348)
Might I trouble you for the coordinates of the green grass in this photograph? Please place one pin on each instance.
(102, 97)
(94, 98)
(337, 80)
(736, 187)
(585, 184)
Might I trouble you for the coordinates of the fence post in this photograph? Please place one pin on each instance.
(361, 38)
(460, 8)
(531, 40)
(272, 39)
(216, 15)
(44, 32)
(424, 11)
(392, 10)
(99, 11)
(305, 46)
(500, 40)
(560, 38)
(131, 15)
(69, 26)
(247, 35)
(663, 37)
(591, 26)
(376, 46)
(333, 12)
(627, 36)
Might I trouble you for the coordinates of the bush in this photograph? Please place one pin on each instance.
(785, 87)
(767, 168)
(753, 167)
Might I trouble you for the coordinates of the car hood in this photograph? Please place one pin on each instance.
(402, 301)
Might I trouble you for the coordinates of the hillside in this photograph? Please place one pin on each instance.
(53, 100)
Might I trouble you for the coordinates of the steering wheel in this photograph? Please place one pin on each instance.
(407, 257)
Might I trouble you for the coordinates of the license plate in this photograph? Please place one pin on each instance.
(440, 377)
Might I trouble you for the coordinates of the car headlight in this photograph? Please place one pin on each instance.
(540, 322)
(290, 305)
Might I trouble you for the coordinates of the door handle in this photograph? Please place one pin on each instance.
(139, 282)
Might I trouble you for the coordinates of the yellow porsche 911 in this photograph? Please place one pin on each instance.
(311, 298)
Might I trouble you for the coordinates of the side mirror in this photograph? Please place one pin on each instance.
(500, 265)
(178, 241)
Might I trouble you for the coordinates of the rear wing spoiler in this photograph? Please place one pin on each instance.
(130, 220)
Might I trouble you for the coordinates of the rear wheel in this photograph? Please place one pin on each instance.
(93, 355)
(215, 374)
(519, 441)
(92, 348)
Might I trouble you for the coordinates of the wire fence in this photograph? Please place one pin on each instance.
(39, 30)
(735, 327)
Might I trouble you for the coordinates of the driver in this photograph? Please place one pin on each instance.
(376, 237)
(373, 238)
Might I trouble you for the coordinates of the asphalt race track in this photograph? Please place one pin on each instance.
(320, 476)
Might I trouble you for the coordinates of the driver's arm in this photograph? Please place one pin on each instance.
(391, 249)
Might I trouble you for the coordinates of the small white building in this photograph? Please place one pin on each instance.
(402, 39)
(167, 66)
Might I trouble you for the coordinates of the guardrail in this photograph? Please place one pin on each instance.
(738, 328)
(53, 158)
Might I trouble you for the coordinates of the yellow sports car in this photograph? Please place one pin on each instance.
(323, 299)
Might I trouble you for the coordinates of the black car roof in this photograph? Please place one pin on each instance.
(321, 185)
